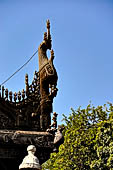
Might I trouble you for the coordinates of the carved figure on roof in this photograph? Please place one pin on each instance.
(48, 79)
(44, 46)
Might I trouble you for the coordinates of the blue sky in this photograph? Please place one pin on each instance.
(82, 37)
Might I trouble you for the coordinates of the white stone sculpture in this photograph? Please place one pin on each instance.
(30, 161)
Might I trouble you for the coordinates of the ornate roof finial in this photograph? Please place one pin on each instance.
(48, 31)
(48, 24)
(48, 28)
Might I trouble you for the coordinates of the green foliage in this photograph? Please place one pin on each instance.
(88, 141)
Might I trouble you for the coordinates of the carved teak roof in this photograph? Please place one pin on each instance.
(27, 109)
(25, 116)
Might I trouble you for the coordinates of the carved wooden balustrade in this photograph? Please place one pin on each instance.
(30, 92)
(17, 109)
